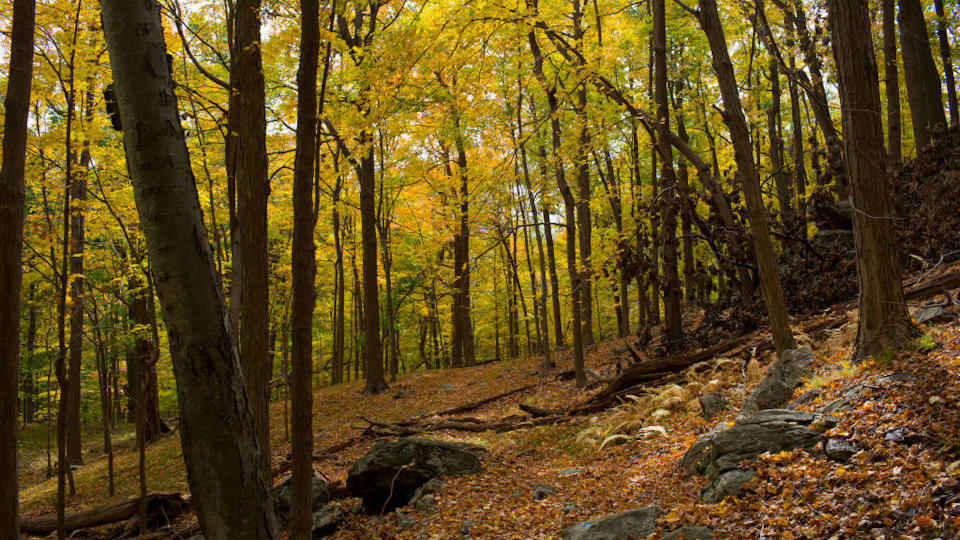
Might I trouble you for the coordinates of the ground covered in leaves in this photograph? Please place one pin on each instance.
(903, 483)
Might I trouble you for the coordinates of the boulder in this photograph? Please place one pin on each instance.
(636, 523)
(771, 430)
(728, 483)
(839, 450)
(712, 404)
(933, 315)
(542, 491)
(783, 377)
(390, 473)
(689, 533)
(327, 520)
(281, 499)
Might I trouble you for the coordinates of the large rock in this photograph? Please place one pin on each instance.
(327, 520)
(637, 523)
(776, 389)
(728, 483)
(282, 499)
(712, 404)
(771, 430)
(390, 473)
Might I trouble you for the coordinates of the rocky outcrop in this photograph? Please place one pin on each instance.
(389, 474)
(637, 523)
(783, 377)
(771, 430)
(282, 502)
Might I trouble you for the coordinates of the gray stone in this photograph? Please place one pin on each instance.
(637, 523)
(465, 527)
(282, 499)
(770, 430)
(783, 377)
(390, 473)
(840, 450)
(933, 315)
(427, 503)
(542, 491)
(569, 472)
(327, 520)
(728, 483)
(432, 486)
(712, 404)
(446, 388)
(804, 398)
(404, 522)
(689, 533)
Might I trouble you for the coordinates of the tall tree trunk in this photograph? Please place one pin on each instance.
(12, 200)
(774, 133)
(891, 80)
(686, 218)
(759, 228)
(253, 189)
(462, 341)
(78, 195)
(920, 73)
(584, 219)
(226, 472)
(373, 366)
(884, 323)
(796, 149)
(303, 270)
(947, 61)
(569, 204)
(140, 364)
(668, 234)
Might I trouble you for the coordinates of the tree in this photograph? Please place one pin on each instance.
(759, 228)
(884, 323)
(253, 188)
(12, 200)
(226, 473)
(891, 80)
(920, 73)
(304, 269)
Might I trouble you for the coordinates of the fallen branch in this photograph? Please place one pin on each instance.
(169, 504)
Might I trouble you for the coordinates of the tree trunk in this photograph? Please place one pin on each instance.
(253, 189)
(884, 323)
(140, 358)
(920, 73)
(12, 199)
(673, 329)
(947, 61)
(462, 341)
(303, 268)
(759, 228)
(226, 472)
(584, 219)
(891, 81)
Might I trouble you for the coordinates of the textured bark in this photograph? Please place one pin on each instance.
(673, 329)
(884, 322)
(759, 228)
(253, 189)
(947, 61)
(16, 108)
(920, 73)
(141, 357)
(78, 196)
(584, 220)
(461, 338)
(891, 80)
(774, 133)
(303, 269)
(224, 465)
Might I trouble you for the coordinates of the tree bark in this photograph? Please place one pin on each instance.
(759, 228)
(12, 200)
(584, 219)
(225, 469)
(945, 57)
(920, 73)
(891, 81)
(884, 323)
(253, 189)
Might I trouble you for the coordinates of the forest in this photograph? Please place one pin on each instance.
(588, 269)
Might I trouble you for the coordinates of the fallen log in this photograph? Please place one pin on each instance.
(474, 425)
(169, 504)
(466, 407)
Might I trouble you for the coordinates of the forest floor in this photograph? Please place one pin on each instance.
(904, 483)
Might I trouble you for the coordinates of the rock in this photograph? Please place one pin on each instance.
(432, 486)
(568, 472)
(636, 523)
(770, 430)
(933, 315)
(517, 493)
(569, 507)
(784, 376)
(728, 483)
(804, 398)
(902, 436)
(281, 499)
(712, 404)
(404, 522)
(689, 533)
(840, 450)
(542, 491)
(446, 388)
(465, 527)
(390, 473)
(327, 520)
(427, 503)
